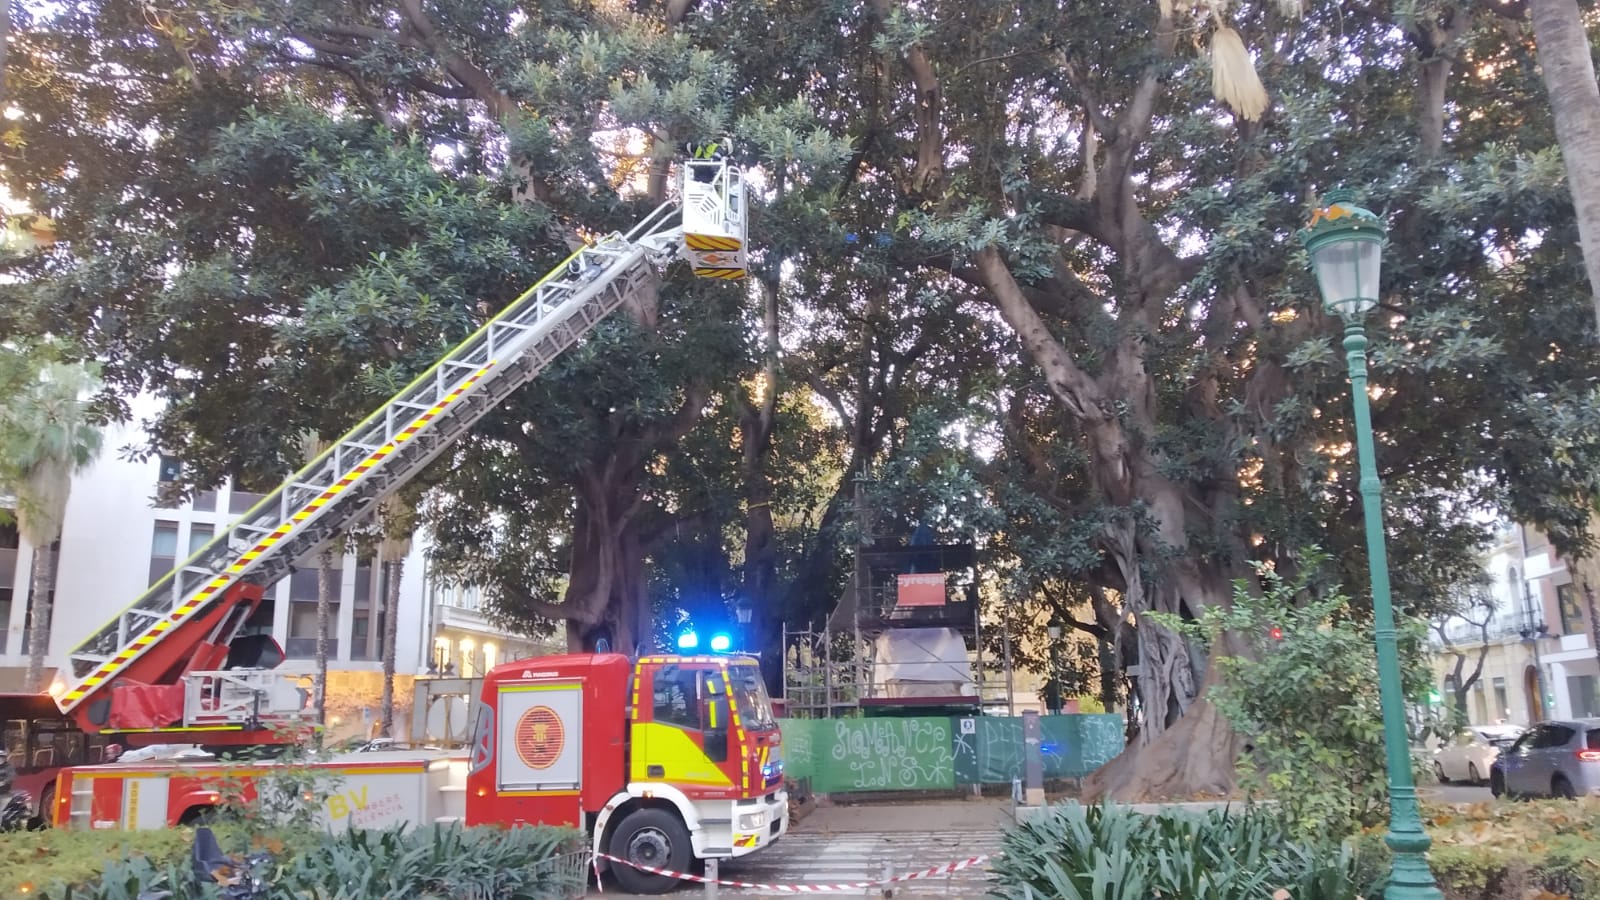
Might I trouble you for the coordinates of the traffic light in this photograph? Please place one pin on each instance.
(1275, 633)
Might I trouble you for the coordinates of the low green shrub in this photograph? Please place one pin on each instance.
(431, 863)
(31, 861)
(1113, 853)
(1488, 851)
(1301, 685)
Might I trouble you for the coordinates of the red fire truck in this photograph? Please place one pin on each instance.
(664, 761)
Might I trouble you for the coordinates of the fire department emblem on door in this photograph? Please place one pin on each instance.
(540, 737)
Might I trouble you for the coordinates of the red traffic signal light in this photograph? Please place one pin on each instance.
(1275, 633)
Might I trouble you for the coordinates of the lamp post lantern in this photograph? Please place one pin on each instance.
(1054, 631)
(743, 612)
(1346, 246)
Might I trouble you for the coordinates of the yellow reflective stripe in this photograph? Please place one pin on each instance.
(710, 242)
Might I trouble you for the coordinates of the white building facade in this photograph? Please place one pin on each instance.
(117, 541)
(1540, 659)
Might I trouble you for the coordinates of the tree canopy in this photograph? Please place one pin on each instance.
(1018, 259)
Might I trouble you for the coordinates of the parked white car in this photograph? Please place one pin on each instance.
(1474, 750)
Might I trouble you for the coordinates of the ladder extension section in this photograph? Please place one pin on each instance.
(384, 450)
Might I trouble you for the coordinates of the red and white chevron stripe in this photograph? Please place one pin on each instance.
(946, 869)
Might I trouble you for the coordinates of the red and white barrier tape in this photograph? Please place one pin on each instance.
(946, 869)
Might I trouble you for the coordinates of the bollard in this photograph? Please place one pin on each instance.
(888, 879)
(711, 878)
(1032, 759)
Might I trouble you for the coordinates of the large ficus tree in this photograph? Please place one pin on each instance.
(1034, 223)
(1178, 407)
(287, 210)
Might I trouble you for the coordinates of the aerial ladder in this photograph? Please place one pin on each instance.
(173, 666)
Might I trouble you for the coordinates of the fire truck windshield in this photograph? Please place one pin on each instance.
(750, 693)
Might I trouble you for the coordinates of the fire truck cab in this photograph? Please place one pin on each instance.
(665, 761)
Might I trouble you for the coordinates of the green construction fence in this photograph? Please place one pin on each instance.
(938, 752)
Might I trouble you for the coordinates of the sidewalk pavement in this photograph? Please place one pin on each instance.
(988, 815)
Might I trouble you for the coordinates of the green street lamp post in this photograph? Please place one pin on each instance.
(1346, 246)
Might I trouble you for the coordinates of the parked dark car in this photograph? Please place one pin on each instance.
(1559, 758)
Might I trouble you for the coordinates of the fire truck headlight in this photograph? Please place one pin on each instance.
(753, 821)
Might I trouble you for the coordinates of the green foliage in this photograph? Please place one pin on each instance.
(283, 793)
(1113, 853)
(1489, 851)
(431, 863)
(1307, 702)
(31, 861)
(48, 432)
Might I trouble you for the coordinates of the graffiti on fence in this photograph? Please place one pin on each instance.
(930, 753)
(892, 754)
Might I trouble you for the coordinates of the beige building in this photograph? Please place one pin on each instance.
(1538, 647)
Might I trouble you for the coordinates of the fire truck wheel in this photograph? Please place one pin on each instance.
(47, 805)
(655, 838)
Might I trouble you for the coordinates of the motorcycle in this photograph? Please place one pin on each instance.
(16, 811)
(16, 807)
(236, 878)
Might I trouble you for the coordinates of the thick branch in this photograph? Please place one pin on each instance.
(500, 104)
(930, 134)
(521, 599)
(1071, 385)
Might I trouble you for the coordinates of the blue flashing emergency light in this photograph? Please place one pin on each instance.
(720, 643)
(688, 640)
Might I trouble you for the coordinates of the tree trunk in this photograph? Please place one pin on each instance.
(756, 422)
(325, 591)
(42, 583)
(391, 633)
(1564, 57)
(606, 581)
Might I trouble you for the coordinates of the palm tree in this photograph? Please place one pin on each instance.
(46, 436)
(312, 446)
(1568, 66)
(398, 519)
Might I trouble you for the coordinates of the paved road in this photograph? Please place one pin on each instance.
(804, 858)
(1455, 793)
(843, 845)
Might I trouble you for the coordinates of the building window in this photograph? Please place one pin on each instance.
(10, 541)
(363, 636)
(163, 550)
(199, 536)
(1502, 703)
(241, 501)
(1584, 691)
(304, 585)
(205, 501)
(5, 616)
(169, 469)
(1571, 611)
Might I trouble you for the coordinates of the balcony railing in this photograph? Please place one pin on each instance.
(1469, 633)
